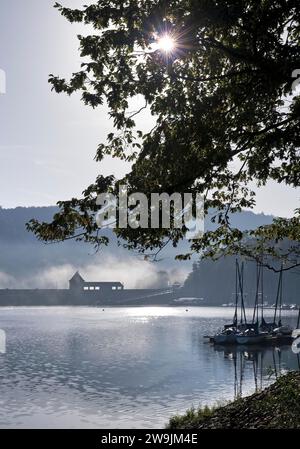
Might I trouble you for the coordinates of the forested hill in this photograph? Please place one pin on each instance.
(12, 221)
(26, 261)
(215, 282)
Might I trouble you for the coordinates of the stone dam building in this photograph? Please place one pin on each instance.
(83, 293)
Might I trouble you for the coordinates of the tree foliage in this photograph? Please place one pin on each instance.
(226, 114)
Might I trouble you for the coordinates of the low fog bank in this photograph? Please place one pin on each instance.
(133, 273)
(28, 263)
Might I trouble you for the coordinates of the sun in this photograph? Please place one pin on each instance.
(166, 43)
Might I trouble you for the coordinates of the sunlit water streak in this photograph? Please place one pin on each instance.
(122, 367)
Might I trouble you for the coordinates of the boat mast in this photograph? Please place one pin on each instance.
(255, 310)
(241, 285)
(262, 291)
(280, 297)
(235, 318)
(279, 293)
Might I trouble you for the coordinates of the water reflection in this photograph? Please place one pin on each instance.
(266, 364)
(125, 368)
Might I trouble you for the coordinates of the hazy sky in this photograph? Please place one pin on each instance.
(48, 141)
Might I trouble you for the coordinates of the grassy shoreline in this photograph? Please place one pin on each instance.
(276, 407)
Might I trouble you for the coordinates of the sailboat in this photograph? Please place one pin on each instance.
(230, 331)
(251, 337)
(258, 331)
(283, 333)
(264, 325)
(253, 334)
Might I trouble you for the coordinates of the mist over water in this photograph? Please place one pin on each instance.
(122, 367)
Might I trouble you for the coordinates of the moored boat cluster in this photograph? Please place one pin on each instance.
(257, 330)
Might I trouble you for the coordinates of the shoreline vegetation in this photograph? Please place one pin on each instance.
(276, 407)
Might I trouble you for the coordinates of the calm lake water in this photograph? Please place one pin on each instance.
(122, 367)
